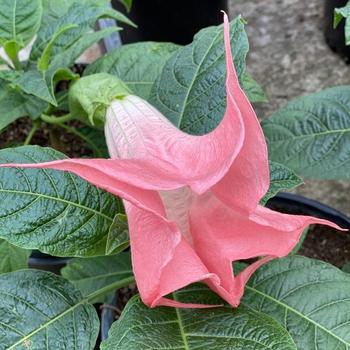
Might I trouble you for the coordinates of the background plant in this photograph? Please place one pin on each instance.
(53, 34)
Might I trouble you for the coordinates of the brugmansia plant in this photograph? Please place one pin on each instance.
(194, 212)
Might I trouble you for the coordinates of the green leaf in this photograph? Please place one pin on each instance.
(311, 134)
(19, 20)
(191, 88)
(224, 328)
(137, 65)
(95, 140)
(340, 13)
(12, 49)
(118, 235)
(33, 82)
(61, 61)
(52, 10)
(91, 95)
(15, 104)
(281, 178)
(44, 60)
(9, 75)
(127, 4)
(84, 16)
(310, 298)
(253, 90)
(89, 275)
(40, 310)
(12, 258)
(53, 211)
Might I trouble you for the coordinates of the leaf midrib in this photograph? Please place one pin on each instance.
(102, 276)
(287, 307)
(181, 114)
(181, 327)
(335, 131)
(84, 300)
(14, 20)
(40, 195)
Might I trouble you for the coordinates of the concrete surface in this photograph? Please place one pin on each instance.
(289, 58)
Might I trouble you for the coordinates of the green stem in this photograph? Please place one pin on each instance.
(111, 287)
(83, 137)
(56, 120)
(33, 130)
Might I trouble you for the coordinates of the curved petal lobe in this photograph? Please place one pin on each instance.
(163, 261)
(222, 235)
(248, 179)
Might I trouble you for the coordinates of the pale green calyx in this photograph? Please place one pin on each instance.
(90, 96)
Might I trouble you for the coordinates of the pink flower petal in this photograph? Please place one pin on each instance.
(221, 236)
(163, 261)
(248, 178)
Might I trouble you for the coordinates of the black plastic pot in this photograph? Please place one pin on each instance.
(108, 316)
(46, 262)
(170, 20)
(290, 203)
(335, 38)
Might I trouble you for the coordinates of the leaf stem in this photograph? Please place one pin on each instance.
(111, 287)
(56, 120)
(33, 130)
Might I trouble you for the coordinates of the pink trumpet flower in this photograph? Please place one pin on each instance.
(192, 201)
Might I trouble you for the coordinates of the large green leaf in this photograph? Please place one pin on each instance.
(90, 274)
(40, 310)
(53, 211)
(222, 328)
(19, 20)
(312, 134)
(138, 65)
(191, 88)
(310, 298)
(12, 258)
(281, 178)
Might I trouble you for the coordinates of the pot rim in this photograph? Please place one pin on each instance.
(312, 207)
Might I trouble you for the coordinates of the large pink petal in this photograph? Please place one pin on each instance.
(221, 235)
(163, 261)
(248, 178)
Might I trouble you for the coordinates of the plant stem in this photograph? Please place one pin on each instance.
(111, 287)
(33, 130)
(56, 120)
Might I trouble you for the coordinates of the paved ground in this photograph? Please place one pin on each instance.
(289, 57)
